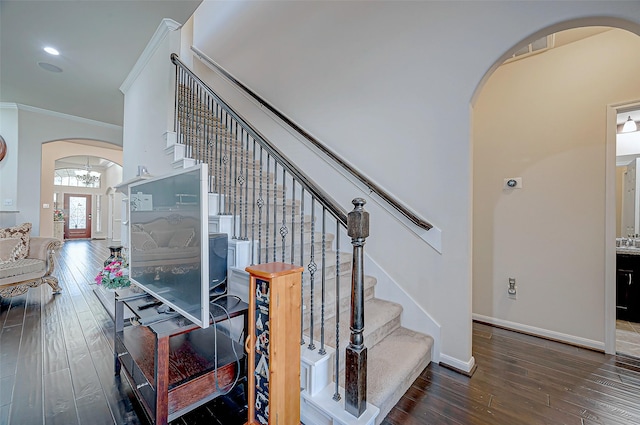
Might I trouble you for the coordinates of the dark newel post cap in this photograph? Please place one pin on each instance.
(358, 220)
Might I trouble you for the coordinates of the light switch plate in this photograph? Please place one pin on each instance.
(45, 205)
(7, 202)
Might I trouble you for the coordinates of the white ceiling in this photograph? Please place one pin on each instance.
(99, 43)
(80, 161)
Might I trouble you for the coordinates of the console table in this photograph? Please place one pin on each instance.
(173, 364)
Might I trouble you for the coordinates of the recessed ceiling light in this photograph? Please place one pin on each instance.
(51, 51)
(49, 67)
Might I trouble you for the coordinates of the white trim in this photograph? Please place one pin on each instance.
(609, 243)
(466, 367)
(8, 105)
(432, 237)
(19, 106)
(532, 330)
(609, 250)
(322, 409)
(413, 317)
(166, 26)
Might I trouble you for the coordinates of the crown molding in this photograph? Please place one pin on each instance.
(21, 107)
(165, 28)
(8, 105)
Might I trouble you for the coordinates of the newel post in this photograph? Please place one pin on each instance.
(356, 352)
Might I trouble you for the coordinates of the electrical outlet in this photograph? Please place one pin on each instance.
(512, 289)
(7, 202)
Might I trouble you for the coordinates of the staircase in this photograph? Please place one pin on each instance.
(268, 217)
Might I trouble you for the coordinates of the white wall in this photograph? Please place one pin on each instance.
(35, 127)
(544, 119)
(9, 165)
(388, 85)
(149, 105)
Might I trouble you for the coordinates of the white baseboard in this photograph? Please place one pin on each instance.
(545, 333)
(465, 367)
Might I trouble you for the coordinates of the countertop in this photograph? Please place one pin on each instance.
(628, 250)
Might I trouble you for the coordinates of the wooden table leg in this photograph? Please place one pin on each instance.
(119, 326)
(162, 380)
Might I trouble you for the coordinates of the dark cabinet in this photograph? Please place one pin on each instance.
(628, 287)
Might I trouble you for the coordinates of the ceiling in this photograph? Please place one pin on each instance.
(80, 161)
(99, 42)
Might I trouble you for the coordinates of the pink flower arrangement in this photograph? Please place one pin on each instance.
(114, 275)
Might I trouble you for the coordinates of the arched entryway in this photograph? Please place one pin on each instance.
(71, 154)
(543, 121)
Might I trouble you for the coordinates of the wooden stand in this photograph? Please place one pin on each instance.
(174, 365)
(273, 344)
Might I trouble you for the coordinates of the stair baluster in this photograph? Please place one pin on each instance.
(211, 132)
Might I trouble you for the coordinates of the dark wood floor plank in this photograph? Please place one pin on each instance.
(93, 409)
(59, 404)
(15, 315)
(27, 402)
(55, 352)
(6, 389)
(10, 349)
(4, 414)
(84, 375)
(5, 304)
(399, 417)
(118, 392)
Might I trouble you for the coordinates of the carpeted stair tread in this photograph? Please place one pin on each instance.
(381, 318)
(393, 364)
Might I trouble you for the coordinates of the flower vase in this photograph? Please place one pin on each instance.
(115, 253)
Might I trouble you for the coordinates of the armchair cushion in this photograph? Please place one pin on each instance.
(21, 232)
(22, 268)
(8, 249)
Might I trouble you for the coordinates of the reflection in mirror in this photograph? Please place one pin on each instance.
(627, 178)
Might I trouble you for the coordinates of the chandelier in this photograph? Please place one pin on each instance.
(86, 176)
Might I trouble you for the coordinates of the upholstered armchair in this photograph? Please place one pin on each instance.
(18, 275)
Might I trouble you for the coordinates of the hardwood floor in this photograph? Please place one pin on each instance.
(56, 356)
(56, 367)
(525, 380)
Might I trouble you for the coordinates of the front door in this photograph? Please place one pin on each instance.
(77, 223)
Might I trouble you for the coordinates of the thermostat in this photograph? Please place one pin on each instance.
(513, 183)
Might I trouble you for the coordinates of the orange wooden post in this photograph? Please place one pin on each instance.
(273, 344)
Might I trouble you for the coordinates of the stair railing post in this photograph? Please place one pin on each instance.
(356, 352)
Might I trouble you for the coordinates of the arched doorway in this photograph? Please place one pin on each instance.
(74, 154)
(543, 121)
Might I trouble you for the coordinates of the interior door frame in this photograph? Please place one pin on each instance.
(610, 225)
